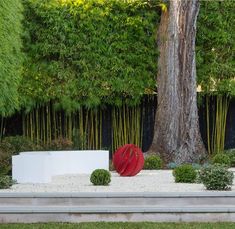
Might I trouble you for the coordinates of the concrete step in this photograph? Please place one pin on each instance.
(117, 209)
(83, 207)
(117, 199)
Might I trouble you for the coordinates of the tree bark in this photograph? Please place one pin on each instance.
(176, 132)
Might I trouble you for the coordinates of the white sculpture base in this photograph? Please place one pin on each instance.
(40, 166)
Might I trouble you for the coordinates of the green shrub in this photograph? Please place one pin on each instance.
(11, 146)
(185, 174)
(231, 155)
(5, 162)
(16, 144)
(100, 177)
(216, 177)
(153, 162)
(222, 159)
(6, 182)
(60, 144)
(198, 178)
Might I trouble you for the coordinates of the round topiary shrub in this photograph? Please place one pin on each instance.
(100, 177)
(185, 174)
(221, 159)
(216, 177)
(153, 162)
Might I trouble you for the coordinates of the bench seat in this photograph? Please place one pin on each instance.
(41, 166)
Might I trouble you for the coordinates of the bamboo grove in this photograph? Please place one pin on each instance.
(216, 119)
(84, 127)
(215, 50)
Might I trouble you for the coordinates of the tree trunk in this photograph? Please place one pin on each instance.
(176, 132)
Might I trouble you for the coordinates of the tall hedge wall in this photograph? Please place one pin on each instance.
(89, 52)
(216, 47)
(10, 54)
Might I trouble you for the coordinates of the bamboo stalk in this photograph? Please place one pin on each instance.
(54, 123)
(219, 124)
(101, 129)
(31, 125)
(2, 128)
(23, 125)
(44, 131)
(60, 124)
(37, 124)
(208, 125)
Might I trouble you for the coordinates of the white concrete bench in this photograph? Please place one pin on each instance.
(41, 166)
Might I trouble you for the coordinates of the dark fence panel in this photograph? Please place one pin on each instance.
(13, 125)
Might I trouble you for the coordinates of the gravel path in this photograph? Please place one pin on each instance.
(145, 181)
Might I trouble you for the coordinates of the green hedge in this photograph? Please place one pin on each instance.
(10, 54)
(216, 47)
(89, 51)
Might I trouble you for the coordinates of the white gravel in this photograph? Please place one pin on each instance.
(145, 181)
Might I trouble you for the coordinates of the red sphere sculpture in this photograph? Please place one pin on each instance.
(128, 160)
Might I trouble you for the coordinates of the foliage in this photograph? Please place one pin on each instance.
(231, 154)
(216, 47)
(60, 144)
(172, 165)
(216, 177)
(196, 166)
(153, 162)
(88, 52)
(100, 177)
(11, 146)
(80, 140)
(10, 54)
(6, 182)
(5, 162)
(17, 144)
(221, 159)
(198, 178)
(185, 174)
(216, 122)
(126, 125)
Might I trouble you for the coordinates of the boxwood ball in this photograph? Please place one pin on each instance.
(128, 160)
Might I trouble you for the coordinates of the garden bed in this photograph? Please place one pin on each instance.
(145, 181)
